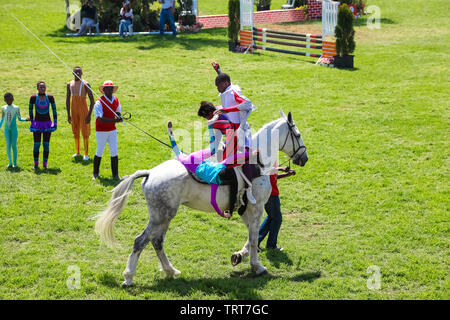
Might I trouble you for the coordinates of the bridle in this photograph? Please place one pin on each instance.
(295, 149)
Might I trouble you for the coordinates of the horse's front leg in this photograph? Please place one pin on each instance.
(251, 218)
(238, 256)
(254, 218)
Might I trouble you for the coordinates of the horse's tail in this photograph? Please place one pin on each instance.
(104, 225)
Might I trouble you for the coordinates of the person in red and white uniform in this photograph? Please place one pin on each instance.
(236, 106)
(107, 111)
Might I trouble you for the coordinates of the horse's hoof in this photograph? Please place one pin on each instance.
(236, 259)
(126, 284)
(261, 271)
(172, 273)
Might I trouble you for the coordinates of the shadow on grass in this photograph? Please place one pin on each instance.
(79, 159)
(361, 22)
(213, 37)
(108, 182)
(53, 171)
(277, 257)
(240, 286)
(14, 170)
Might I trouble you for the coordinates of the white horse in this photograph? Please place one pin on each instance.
(168, 185)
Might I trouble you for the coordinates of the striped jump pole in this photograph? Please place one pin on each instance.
(269, 35)
(306, 35)
(301, 45)
(307, 54)
(249, 38)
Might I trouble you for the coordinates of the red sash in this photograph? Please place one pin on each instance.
(107, 113)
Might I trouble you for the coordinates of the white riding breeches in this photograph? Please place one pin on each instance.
(104, 137)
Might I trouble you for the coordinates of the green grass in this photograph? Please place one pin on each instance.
(374, 192)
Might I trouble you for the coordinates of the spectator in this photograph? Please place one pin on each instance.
(167, 11)
(126, 18)
(88, 17)
(272, 223)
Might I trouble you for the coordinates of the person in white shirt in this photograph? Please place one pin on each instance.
(107, 111)
(167, 11)
(236, 106)
(126, 18)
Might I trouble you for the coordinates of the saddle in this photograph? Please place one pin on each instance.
(240, 180)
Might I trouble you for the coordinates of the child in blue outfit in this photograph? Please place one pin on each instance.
(10, 113)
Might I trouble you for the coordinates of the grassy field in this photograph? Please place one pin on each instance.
(374, 194)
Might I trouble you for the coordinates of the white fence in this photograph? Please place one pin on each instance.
(246, 14)
(329, 17)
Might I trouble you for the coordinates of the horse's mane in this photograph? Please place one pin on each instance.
(268, 126)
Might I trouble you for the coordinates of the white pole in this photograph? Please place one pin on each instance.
(194, 7)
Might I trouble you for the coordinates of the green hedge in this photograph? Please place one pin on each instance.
(144, 17)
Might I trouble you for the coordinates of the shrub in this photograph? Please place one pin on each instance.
(186, 18)
(263, 4)
(345, 42)
(300, 3)
(234, 23)
(109, 14)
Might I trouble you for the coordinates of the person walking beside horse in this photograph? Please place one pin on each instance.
(272, 224)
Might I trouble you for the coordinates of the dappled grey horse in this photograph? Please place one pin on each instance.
(168, 185)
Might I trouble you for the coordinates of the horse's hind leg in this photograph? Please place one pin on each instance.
(157, 240)
(140, 243)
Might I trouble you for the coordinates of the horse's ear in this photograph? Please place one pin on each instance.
(282, 115)
(289, 117)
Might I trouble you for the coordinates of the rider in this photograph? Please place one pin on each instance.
(235, 105)
(238, 108)
(214, 173)
(219, 126)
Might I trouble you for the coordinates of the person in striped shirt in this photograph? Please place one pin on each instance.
(219, 126)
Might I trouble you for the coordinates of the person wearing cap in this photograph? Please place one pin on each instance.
(80, 115)
(126, 18)
(107, 111)
(167, 13)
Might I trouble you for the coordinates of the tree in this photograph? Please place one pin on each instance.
(345, 34)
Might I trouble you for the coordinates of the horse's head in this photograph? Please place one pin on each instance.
(291, 142)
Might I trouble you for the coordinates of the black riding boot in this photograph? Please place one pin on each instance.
(97, 161)
(115, 167)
